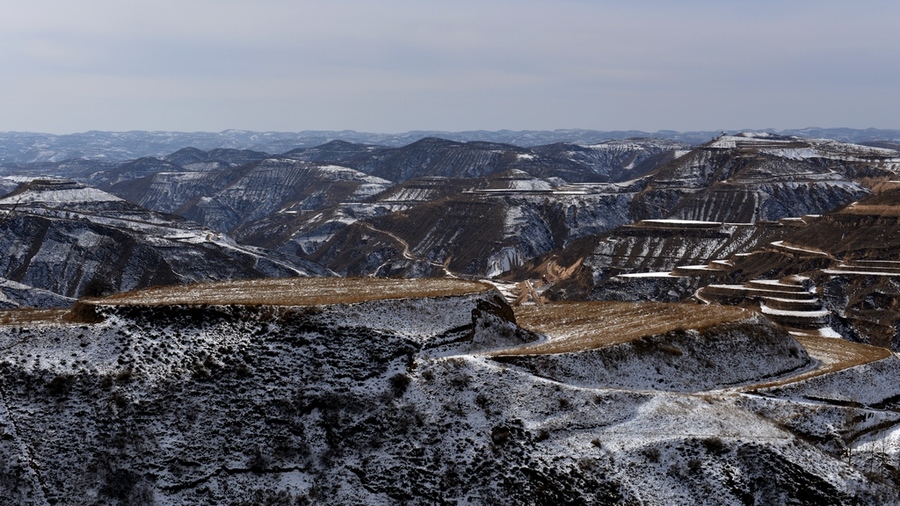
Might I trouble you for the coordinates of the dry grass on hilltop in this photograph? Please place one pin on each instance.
(576, 326)
(833, 355)
(29, 316)
(294, 292)
(873, 210)
(579, 326)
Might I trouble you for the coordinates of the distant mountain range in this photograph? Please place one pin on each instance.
(26, 147)
(626, 219)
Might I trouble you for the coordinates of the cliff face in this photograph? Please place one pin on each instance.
(229, 198)
(138, 401)
(483, 233)
(71, 239)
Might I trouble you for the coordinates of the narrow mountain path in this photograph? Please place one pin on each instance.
(406, 252)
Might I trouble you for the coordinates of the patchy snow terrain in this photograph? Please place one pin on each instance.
(384, 391)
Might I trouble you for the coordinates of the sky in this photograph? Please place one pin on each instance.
(392, 66)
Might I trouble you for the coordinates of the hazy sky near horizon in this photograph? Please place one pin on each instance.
(397, 65)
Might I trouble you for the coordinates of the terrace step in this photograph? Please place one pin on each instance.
(790, 302)
(744, 291)
(874, 268)
(776, 285)
(796, 319)
(787, 304)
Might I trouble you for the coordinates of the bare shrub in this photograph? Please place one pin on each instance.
(652, 453)
(257, 461)
(694, 465)
(59, 386)
(715, 445)
(399, 383)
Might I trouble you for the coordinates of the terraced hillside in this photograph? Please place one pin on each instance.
(732, 195)
(749, 178)
(835, 275)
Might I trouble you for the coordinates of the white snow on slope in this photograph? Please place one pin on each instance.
(64, 195)
(766, 310)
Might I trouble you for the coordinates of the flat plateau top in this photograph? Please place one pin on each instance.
(578, 326)
(294, 292)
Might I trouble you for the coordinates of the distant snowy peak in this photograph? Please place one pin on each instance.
(797, 148)
(56, 191)
(636, 144)
(517, 180)
(339, 173)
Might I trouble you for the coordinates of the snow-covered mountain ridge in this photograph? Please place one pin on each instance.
(26, 147)
(482, 208)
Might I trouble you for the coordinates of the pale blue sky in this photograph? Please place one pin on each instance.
(398, 65)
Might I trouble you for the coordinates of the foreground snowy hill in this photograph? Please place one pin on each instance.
(336, 391)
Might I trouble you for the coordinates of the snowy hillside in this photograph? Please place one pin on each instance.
(173, 397)
(71, 239)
